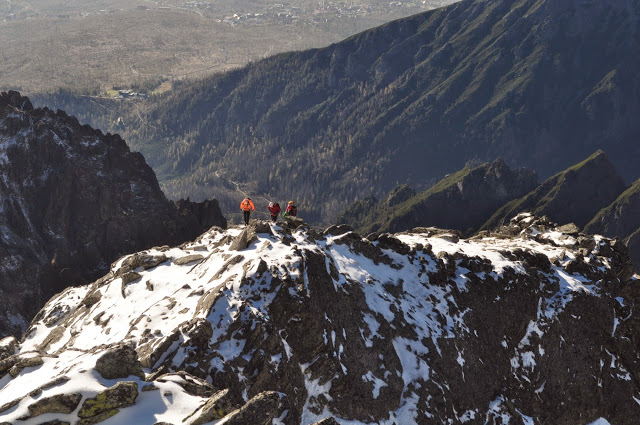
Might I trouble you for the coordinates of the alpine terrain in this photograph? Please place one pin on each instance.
(540, 83)
(72, 200)
(283, 324)
(621, 219)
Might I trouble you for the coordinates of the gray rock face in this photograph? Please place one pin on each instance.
(107, 403)
(72, 201)
(217, 407)
(188, 259)
(119, 362)
(62, 403)
(207, 212)
(260, 410)
(8, 347)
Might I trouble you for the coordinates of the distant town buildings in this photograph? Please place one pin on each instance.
(129, 94)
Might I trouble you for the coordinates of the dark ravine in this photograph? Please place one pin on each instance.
(72, 201)
(286, 325)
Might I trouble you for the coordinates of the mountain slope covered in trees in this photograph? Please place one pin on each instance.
(541, 83)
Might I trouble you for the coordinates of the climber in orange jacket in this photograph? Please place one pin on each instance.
(247, 206)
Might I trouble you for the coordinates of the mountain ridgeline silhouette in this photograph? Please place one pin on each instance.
(540, 83)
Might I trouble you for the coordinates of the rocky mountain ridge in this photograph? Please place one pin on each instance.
(583, 194)
(283, 324)
(620, 219)
(72, 200)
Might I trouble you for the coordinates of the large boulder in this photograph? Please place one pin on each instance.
(60, 403)
(260, 410)
(108, 403)
(119, 362)
(218, 406)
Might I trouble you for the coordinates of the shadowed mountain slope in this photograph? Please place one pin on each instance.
(541, 83)
(72, 200)
(571, 196)
(462, 201)
(589, 194)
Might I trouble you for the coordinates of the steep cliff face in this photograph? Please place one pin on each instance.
(282, 324)
(72, 201)
(461, 201)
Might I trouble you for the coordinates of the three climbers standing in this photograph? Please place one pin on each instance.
(274, 209)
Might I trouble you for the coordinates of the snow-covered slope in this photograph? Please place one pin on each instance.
(283, 324)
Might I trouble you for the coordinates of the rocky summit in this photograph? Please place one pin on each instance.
(72, 200)
(282, 324)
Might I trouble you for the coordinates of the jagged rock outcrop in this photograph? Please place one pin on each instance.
(461, 201)
(207, 213)
(533, 323)
(72, 200)
(59, 403)
(119, 362)
(574, 195)
(108, 403)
